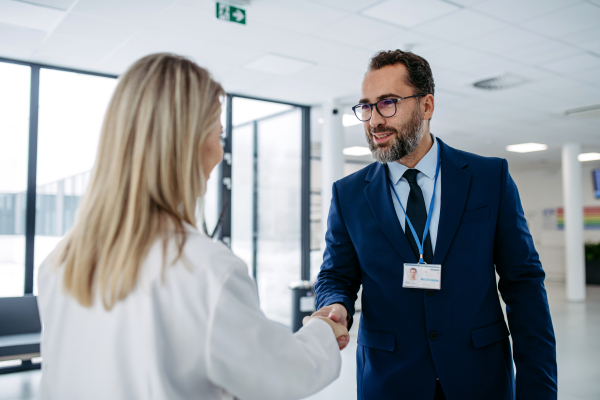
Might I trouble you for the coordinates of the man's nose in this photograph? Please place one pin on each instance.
(376, 119)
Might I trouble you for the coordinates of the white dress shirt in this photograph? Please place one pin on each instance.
(194, 331)
(425, 179)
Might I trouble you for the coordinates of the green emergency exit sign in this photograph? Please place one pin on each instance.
(228, 12)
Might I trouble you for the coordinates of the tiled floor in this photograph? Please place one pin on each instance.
(577, 328)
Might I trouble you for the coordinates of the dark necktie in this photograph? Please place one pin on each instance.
(417, 213)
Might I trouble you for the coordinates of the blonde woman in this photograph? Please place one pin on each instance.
(136, 303)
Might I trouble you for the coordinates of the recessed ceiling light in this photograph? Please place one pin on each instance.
(279, 65)
(321, 120)
(357, 151)
(588, 157)
(526, 147)
(350, 120)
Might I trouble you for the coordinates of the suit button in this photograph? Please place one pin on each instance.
(429, 292)
(433, 335)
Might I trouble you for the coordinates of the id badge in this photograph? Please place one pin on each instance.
(422, 276)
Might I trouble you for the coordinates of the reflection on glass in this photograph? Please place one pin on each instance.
(72, 107)
(266, 196)
(14, 138)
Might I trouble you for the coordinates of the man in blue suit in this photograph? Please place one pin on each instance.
(445, 336)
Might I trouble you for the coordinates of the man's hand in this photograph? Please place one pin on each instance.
(340, 331)
(336, 313)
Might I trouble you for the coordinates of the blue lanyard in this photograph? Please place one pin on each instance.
(420, 244)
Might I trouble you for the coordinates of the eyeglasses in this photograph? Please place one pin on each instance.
(386, 108)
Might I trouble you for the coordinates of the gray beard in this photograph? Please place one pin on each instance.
(404, 144)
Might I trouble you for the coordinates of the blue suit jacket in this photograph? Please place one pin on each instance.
(481, 227)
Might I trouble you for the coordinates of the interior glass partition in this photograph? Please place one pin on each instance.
(14, 138)
(266, 200)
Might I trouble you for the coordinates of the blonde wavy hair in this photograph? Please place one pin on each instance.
(147, 177)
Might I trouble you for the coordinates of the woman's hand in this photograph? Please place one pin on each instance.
(340, 331)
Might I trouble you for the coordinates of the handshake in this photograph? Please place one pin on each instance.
(336, 316)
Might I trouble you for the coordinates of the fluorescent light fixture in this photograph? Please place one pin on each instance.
(526, 147)
(357, 151)
(588, 157)
(278, 65)
(350, 120)
(36, 360)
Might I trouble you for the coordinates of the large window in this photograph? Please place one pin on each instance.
(14, 138)
(71, 111)
(260, 189)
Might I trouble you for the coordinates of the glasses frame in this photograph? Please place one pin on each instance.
(377, 107)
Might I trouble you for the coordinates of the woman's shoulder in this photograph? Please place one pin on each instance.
(204, 253)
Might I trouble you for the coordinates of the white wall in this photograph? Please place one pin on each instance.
(541, 188)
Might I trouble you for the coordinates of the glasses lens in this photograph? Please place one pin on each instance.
(362, 112)
(387, 107)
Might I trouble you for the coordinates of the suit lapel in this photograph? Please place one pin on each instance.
(380, 200)
(455, 189)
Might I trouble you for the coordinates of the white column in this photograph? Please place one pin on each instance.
(332, 158)
(573, 206)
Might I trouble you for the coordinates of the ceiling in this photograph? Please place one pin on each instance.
(311, 51)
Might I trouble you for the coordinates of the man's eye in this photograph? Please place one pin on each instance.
(385, 103)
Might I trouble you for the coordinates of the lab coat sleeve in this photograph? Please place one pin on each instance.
(253, 357)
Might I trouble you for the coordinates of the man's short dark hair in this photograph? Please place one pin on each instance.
(419, 73)
(413, 269)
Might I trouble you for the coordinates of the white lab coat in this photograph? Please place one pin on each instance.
(199, 334)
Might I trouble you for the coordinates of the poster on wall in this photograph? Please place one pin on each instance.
(591, 218)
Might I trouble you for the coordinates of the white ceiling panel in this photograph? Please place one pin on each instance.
(516, 11)
(583, 36)
(13, 36)
(569, 20)
(589, 77)
(130, 11)
(148, 41)
(58, 4)
(92, 28)
(463, 25)
(203, 26)
(18, 53)
(347, 5)
(310, 48)
(467, 3)
(356, 30)
(548, 50)
(209, 5)
(415, 42)
(573, 93)
(299, 15)
(327, 75)
(68, 51)
(409, 13)
(464, 60)
(578, 63)
(30, 16)
(277, 65)
(505, 39)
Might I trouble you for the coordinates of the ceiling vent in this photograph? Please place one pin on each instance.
(505, 81)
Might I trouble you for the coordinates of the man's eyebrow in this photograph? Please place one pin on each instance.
(383, 96)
